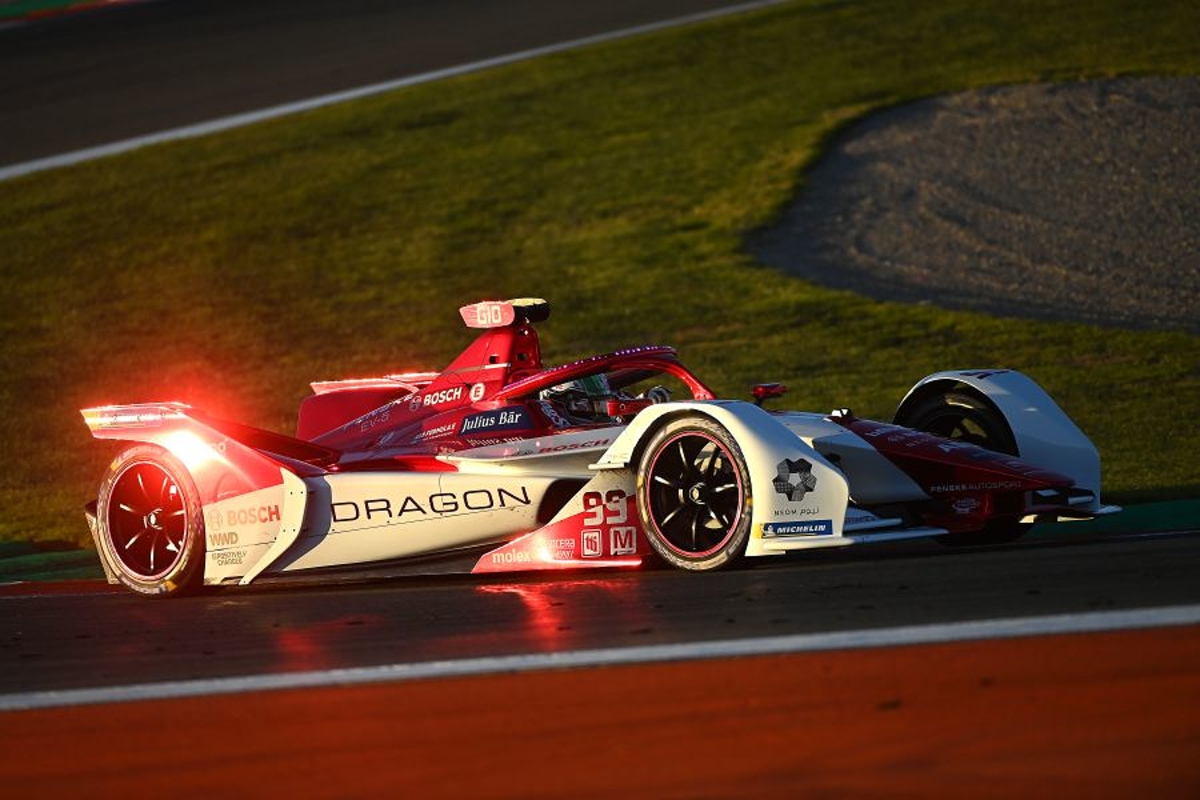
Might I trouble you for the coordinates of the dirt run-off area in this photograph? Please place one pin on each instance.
(1076, 202)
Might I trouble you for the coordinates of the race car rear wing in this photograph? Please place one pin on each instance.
(222, 457)
(117, 422)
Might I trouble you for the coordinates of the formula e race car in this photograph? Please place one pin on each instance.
(500, 464)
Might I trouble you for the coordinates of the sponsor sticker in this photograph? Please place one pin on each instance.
(502, 419)
(255, 515)
(559, 448)
(443, 396)
(965, 506)
(622, 540)
(794, 478)
(797, 511)
(815, 527)
(229, 558)
(947, 488)
(432, 433)
(511, 557)
(556, 419)
(590, 544)
(222, 539)
(438, 503)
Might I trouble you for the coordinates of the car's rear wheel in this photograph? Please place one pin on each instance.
(151, 524)
(694, 495)
(968, 418)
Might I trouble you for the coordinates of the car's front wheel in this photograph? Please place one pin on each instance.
(964, 417)
(151, 524)
(694, 495)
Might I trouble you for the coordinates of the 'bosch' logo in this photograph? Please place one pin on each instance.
(795, 478)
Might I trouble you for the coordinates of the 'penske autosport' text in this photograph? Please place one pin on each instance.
(411, 507)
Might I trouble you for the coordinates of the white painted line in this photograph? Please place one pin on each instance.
(251, 117)
(1091, 622)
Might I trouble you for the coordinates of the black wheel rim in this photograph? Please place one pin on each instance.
(694, 494)
(962, 426)
(147, 520)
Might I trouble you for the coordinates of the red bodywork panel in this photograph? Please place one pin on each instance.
(486, 395)
(321, 413)
(606, 533)
(968, 483)
(496, 358)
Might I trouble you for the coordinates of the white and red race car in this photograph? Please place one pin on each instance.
(500, 464)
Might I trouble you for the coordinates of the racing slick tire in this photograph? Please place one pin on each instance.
(968, 418)
(693, 490)
(151, 526)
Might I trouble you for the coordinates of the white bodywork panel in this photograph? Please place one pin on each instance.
(561, 455)
(1045, 435)
(295, 511)
(361, 517)
(364, 517)
(875, 478)
(812, 516)
(240, 530)
(246, 534)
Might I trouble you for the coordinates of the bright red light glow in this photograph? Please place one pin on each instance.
(316, 646)
(189, 448)
(552, 606)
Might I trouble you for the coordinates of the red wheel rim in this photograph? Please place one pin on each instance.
(147, 520)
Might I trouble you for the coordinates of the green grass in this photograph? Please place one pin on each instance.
(21, 8)
(617, 181)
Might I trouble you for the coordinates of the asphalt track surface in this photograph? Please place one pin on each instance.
(1100, 715)
(100, 638)
(88, 79)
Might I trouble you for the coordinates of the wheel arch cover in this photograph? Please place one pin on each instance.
(1044, 434)
(816, 497)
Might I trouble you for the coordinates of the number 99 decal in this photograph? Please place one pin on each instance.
(607, 511)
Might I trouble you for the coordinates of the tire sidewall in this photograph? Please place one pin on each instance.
(981, 411)
(186, 573)
(732, 550)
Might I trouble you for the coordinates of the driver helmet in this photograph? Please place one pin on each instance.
(585, 399)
